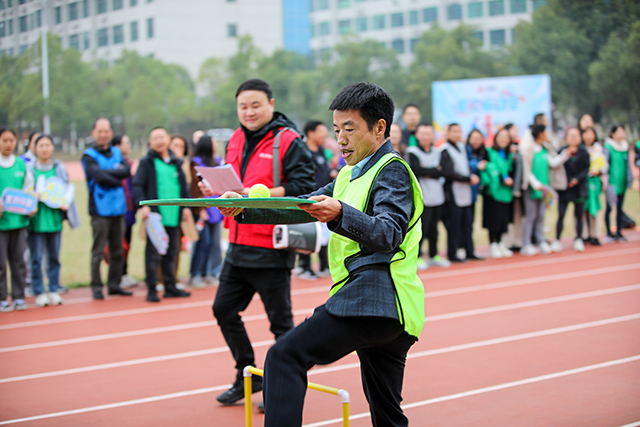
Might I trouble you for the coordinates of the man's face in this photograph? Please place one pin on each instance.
(411, 117)
(354, 137)
(395, 134)
(319, 135)
(102, 133)
(7, 143)
(125, 146)
(454, 133)
(255, 110)
(424, 135)
(159, 141)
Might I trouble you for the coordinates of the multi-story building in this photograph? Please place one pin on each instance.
(399, 23)
(184, 32)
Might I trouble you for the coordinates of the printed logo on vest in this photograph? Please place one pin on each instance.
(19, 174)
(265, 156)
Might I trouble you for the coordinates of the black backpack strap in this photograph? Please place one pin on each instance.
(276, 157)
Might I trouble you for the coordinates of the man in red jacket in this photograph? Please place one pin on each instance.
(252, 264)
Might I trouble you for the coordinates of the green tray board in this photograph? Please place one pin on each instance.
(256, 202)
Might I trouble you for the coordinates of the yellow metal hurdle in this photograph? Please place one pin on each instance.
(250, 370)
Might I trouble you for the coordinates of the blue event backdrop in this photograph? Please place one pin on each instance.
(488, 104)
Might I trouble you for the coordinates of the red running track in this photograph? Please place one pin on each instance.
(543, 341)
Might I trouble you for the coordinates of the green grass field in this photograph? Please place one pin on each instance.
(76, 244)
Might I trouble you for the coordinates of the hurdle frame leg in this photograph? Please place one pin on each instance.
(248, 391)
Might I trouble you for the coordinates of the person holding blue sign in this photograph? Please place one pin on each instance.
(45, 227)
(105, 169)
(14, 179)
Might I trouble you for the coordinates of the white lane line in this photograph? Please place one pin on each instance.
(319, 289)
(497, 387)
(637, 423)
(532, 280)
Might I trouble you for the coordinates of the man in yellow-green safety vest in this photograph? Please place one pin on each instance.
(376, 303)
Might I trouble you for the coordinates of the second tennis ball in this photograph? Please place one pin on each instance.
(259, 190)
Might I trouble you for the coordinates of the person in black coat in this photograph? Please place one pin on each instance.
(577, 169)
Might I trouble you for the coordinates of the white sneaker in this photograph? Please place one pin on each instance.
(556, 246)
(438, 261)
(529, 250)
(42, 300)
(197, 282)
(506, 252)
(324, 273)
(19, 305)
(212, 280)
(128, 282)
(181, 286)
(308, 275)
(544, 248)
(422, 264)
(461, 253)
(578, 245)
(5, 307)
(297, 270)
(159, 287)
(28, 292)
(54, 298)
(494, 251)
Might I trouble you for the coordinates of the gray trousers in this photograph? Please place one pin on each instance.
(533, 219)
(107, 230)
(13, 244)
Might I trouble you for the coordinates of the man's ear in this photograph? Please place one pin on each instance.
(380, 127)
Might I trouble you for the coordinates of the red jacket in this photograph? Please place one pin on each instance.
(259, 170)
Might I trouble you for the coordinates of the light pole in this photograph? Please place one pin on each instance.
(45, 71)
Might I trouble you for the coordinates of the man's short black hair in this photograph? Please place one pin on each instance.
(256, 84)
(311, 126)
(537, 129)
(423, 124)
(404, 109)
(537, 118)
(372, 102)
(159, 127)
(452, 125)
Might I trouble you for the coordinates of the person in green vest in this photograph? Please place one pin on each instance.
(13, 227)
(497, 182)
(376, 303)
(160, 176)
(411, 117)
(45, 227)
(596, 181)
(616, 151)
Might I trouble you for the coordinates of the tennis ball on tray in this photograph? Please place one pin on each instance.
(259, 190)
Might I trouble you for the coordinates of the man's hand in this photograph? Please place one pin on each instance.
(231, 212)
(474, 179)
(482, 164)
(186, 214)
(206, 190)
(144, 212)
(203, 215)
(326, 210)
(508, 181)
(573, 183)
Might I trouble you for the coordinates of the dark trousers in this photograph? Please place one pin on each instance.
(237, 287)
(619, 216)
(127, 238)
(305, 260)
(107, 230)
(13, 244)
(382, 347)
(430, 218)
(167, 262)
(205, 249)
(38, 242)
(578, 217)
(459, 224)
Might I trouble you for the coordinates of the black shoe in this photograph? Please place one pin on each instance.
(153, 297)
(98, 295)
(236, 392)
(120, 291)
(261, 407)
(457, 260)
(515, 248)
(176, 293)
(595, 242)
(620, 238)
(474, 257)
(62, 289)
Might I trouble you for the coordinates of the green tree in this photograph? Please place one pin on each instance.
(143, 108)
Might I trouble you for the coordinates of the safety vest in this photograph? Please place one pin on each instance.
(540, 169)
(619, 161)
(408, 287)
(13, 177)
(109, 201)
(492, 175)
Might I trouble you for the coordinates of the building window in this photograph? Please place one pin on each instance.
(344, 26)
(118, 34)
(378, 22)
(397, 20)
(361, 24)
(150, 28)
(480, 36)
(10, 24)
(413, 17)
(324, 29)
(24, 26)
(102, 35)
(398, 45)
(344, 3)
(497, 37)
(518, 6)
(38, 16)
(133, 3)
(454, 12)
(3, 29)
(496, 7)
(232, 30)
(73, 11)
(475, 9)
(117, 4)
(86, 40)
(22, 49)
(101, 6)
(537, 4)
(58, 12)
(3, 5)
(133, 30)
(430, 14)
(323, 4)
(412, 45)
(85, 8)
(74, 41)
